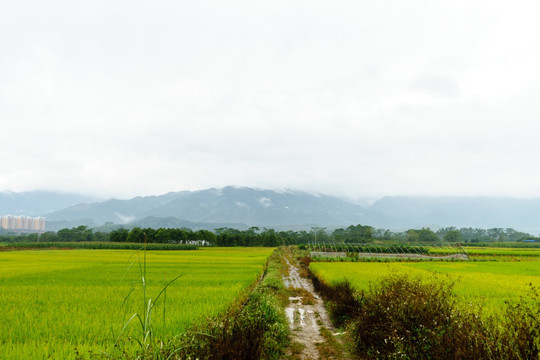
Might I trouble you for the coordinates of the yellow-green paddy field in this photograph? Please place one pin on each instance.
(491, 277)
(58, 303)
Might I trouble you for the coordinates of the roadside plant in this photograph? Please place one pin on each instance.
(144, 319)
(407, 317)
(520, 336)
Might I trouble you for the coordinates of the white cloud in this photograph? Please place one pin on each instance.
(241, 204)
(265, 202)
(348, 98)
(124, 219)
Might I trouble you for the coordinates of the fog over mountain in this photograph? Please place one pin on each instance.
(479, 212)
(35, 203)
(350, 98)
(242, 207)
(229, 205)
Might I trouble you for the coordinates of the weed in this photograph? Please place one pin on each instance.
(521, 335)
(304, 260)
(146, 339)
(342, 301)
(255, 328)
(296, 347)
(330, 348)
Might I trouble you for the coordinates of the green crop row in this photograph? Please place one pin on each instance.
(503, 251)
(513, 244)
(98, 245)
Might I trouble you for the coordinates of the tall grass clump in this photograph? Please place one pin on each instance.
(250, 329)
(144, 319)
(145, 336)
(253, 327)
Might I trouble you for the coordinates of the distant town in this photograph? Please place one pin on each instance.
(19, 223)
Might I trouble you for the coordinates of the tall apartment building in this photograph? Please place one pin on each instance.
(22, 223)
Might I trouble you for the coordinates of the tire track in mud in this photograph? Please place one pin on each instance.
(306, 314)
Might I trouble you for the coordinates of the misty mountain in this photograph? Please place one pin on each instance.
(171, 222)
(478, 212)
(229, 205)
(147, 222)
(115, 211)
(242, 207)
(68, 224)
(37, 203)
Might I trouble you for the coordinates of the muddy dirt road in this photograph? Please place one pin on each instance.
(307, 315)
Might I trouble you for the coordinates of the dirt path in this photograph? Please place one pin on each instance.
(307, 317)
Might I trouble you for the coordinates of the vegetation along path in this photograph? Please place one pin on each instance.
(312, 333)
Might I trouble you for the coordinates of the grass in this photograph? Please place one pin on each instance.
(253, 328)
(57, 303)
(489, 283)
(503, 251)
(94, 245)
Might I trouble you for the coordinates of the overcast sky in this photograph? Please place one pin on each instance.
(349, 98)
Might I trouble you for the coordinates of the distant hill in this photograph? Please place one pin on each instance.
(37, 203)
(242, 207)
(478, 212)
(229, 205)
(171, 222)
(116, 211)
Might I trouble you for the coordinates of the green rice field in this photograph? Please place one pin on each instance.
(57, 303)
(497, 251)
(487, 283)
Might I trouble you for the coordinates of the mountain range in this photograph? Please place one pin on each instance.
(232, 206)
(242, 207)
(38, 203)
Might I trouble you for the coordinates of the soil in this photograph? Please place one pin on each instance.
(307, 316)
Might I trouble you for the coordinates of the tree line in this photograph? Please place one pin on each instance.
(255, 236)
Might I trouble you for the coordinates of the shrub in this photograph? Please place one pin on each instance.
(254, 328)
(255, 331)
(409, 318)
(342, 302)
(519, 337)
